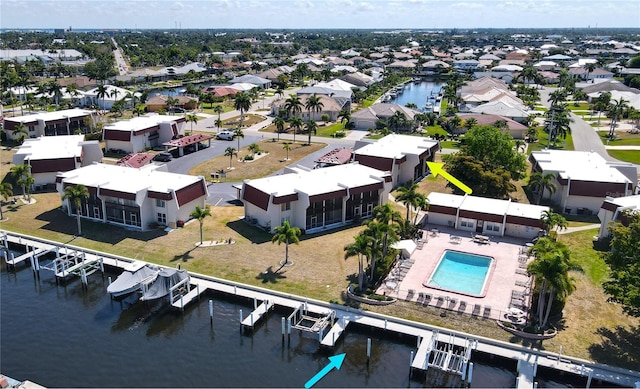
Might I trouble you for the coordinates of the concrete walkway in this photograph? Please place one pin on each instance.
(581, 228)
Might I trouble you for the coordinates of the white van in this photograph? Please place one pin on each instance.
(225, 135)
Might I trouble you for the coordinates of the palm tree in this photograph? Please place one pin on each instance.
(73, 91)
(238, 133)
(399, 119)
(344, 116)
(314, 103)
(101, 93)
(470, 123)
(219, 110)
(76, 194)
(293, 105)
(361, 248)
(191, 118)
(139, 109)
(288, 235)
(551, 220)
(550, 270)
(387, 219)
(590, 67)
(242, 103)
(616, 109)
(539, 182)
(287, 147)
(6, 191)
(279, 123)
(19, 133)
(312, 127)
(55, 90)
(410, 197)
(20, 174)
(200, 213)
(230, 152)
(171, 102)
(297, 124)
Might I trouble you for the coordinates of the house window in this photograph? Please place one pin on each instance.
(162, 218)
(467, 223)
(32, 129)
(492, 227)
(160, 203)
(285, 206)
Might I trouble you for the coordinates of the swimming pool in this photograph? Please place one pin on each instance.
(462, 273)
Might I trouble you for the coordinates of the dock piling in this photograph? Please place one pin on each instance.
(282, 324)
(411, 356)
(241, 318)
(589, 379)
(470, 374)
(368, 350)
(211, 311)
(535, 385)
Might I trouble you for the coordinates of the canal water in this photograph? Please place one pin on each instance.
(419, 94)
(66, 336)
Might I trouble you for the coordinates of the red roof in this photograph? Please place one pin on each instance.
(187, 140)
(135, 160)
(336, 157)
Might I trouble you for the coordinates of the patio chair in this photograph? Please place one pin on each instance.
(522, 271)
(524, 284)
(427, 299)
(476, 310)
(420, 298)
(462, 307)
(410, 294)
(487, 311)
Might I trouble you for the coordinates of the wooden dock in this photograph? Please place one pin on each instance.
(254, 317)
(334, 334)
(343, 316)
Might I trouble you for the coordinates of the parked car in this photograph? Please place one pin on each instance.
(163, 157)
(225, 135)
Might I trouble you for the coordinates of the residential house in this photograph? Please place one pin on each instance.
(65, 122)
(330, 106)
(260, 82)
(612, 211)
(485, 216)
(49, 155)
(404, 156)
(516, 130)
(506, 107)
(315, 200)
(366, 118)
(466, 65)
(139, 133)
(134, 198)
(161, 102)
(584, 179)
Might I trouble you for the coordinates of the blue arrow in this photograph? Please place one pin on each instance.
(334, 361)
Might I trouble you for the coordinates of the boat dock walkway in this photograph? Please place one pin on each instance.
(254, 317)
(450, 343)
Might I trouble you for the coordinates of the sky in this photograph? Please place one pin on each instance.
(290, 14)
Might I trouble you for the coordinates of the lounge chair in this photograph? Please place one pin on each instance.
(476, 310)
(420, 298)
(427, 299)
(524, 284)
(410, 294)
(487, 311)
(462, 307)
(522, 271)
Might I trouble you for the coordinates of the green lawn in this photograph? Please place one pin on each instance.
(330, 130)
(632, 156)
(541, 144)
(581, 106)
(584, 253)
(622, 139)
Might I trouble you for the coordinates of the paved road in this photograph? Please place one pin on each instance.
(123, 68)
(224, 193)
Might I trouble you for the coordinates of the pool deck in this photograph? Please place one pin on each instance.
(505, 278)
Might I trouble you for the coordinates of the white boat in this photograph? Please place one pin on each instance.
(132, 279)
(166, 279)
(428, 107)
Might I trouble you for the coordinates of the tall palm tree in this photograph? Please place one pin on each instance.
(6, 191)
(101, 93)
(242, 103)
(312, 127)
(388, 219)
(313, 104)
(72, 90)
(279, 123)
(76, 194)
(287, 147)
(139, 109)
(191, 118)
(344, 116)
(539, 182)
(219, 110)
(361, 248)
(20, 174)
(55, 90)
(410, 197)
(200, 214)
(171, 102)
(297, 124)
(238, 133)
(470, 123)
(293, 105)
(288, 235)
(550, 270)
(590, 67)
(616, 109)
(230, 152)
